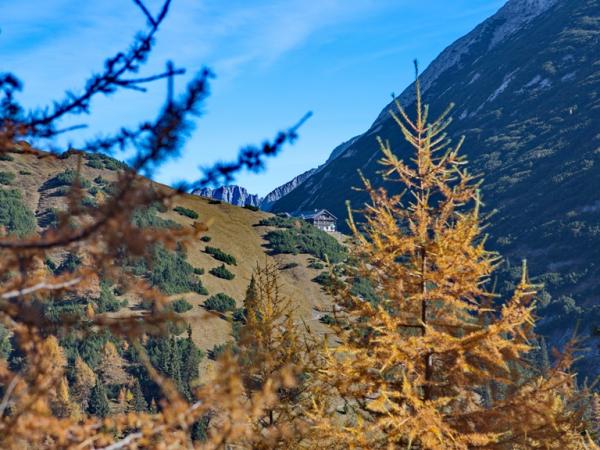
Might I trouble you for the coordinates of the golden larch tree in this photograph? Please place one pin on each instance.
(274, 349)
(436, 364)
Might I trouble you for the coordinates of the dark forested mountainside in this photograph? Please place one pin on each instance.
(527, 87)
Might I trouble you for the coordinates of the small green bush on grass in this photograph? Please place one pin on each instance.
(67, 178)
(218, 350)
(220, 255)
(107, 302)
(316, 265)
(14, 215)
(220, 302)
(181, 305)
(323, 278)
(186, 212)
(100, 161)
(222, 272)
(69, 264)
(7, 177)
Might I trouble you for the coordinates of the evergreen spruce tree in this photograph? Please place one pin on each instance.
(138, 402)
(413, 370)
(199, 431)
(174, 363)
(98, 405)
(190, 356)
(250, 300)
(153, 409)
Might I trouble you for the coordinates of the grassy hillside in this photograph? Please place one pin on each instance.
(233, 230)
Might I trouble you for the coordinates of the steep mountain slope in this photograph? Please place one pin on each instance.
(284, 189)
(527, 87)
(231, 229)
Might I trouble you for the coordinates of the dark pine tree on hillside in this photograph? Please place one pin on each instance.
(138, 402)
(98, 405)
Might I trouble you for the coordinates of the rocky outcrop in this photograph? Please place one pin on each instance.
(236, 195)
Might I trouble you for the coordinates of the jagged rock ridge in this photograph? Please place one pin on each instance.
(235, 195)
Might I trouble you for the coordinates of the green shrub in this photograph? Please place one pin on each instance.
(113, 164)
(6, 157)
(100, 161)
(220, 302)
(181, 305)
(316, 265)
(289, 265)
(51, 265)
(220, 255)
(327, 319)
(101, 181)
(69, 264)
(218, 350)
(362, 287)
(62, 191)
(95, 164)
(14, 215)
(119, 290)
(147, 218)
(49, 218)
(199, 288)
(60, 310)
(171, 273)
(324, 278)
(214, 202)
(7, 177)
(6, 347)
(277, 221)
(89, 202)
(239, 315)
(67, 178)
(222, 272)
(186, 212)
(205, 238)
(198, 270)
(24, 172)
(297, 236)
(251, 207)
(167, 270)
(107, 302)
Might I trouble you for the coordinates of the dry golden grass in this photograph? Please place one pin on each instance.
(231, 228)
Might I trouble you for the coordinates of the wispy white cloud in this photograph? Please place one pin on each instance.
(64, 39)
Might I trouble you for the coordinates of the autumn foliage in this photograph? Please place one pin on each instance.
(440, 362)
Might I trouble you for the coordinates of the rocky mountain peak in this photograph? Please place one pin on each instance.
(235, 195)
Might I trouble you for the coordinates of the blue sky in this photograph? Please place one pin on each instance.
(274, 60)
